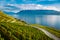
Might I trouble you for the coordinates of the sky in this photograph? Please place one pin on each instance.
(30, 1)
(18, 5)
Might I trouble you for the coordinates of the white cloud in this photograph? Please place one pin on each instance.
(37, 7)
(14, 11)
(52, 8)
(29, 7)
(9, 9)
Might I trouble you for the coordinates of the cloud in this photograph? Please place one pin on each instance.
(37, 7)
(52, 8)
(18, 7)
(14, 11)
(8, 8)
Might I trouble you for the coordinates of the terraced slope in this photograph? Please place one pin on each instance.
(50, 29)
(13, 29)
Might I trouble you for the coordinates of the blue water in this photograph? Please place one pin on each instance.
(46, 20)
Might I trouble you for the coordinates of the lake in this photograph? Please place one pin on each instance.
(46, 20)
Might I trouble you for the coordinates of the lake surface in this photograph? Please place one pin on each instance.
(46, 20)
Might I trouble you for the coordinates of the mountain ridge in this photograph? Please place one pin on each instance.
(42, 12)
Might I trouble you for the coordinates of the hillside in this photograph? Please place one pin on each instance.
(14, 29)
(40, 12)
(50, 29)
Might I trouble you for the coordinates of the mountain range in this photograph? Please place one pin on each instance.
(40, 12)
(37, 12)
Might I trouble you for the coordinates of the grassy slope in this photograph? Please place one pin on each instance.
(13, 29)
(50, 29)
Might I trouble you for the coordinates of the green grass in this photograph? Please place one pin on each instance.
(18, 30)
(22, 32)
(50, 29)
(1, 37)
